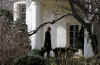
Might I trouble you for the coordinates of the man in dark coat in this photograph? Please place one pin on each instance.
(47, 42)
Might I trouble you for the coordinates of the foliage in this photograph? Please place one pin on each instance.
(34, 52)
(51, 61)
(8, 14)
(32, 58)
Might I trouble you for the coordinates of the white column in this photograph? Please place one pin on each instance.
(88, 51)
(33, 21)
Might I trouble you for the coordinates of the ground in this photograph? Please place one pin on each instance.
(34, 58)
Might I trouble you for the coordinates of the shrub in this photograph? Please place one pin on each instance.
(32, 58)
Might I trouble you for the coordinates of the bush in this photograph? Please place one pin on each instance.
(35, 52)
(32, 58)
(29, 60)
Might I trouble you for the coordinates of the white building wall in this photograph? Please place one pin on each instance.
(61, 35)
(58, 34)
(35, 17)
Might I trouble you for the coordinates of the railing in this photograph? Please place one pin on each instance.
(65, 57)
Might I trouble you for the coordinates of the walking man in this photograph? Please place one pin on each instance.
(47, 41)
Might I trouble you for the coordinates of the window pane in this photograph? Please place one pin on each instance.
(71, 34)
(71, 28)
(74, 35)
(71, 42)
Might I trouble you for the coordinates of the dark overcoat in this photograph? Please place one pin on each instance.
(47, 42)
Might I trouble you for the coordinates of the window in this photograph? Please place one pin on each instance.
(74, 32)
(22, 11)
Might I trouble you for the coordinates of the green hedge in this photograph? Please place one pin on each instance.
(32, 58)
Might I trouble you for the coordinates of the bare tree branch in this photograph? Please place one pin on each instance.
(44, 24)
(75, 13)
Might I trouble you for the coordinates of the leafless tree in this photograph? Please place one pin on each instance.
(80, 10)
